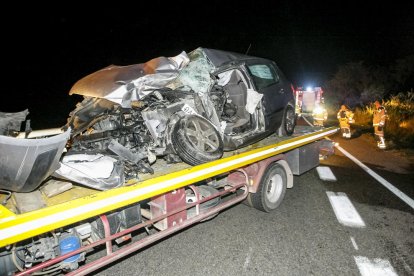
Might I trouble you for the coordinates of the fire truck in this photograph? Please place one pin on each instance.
(310, 105)
(55, 234)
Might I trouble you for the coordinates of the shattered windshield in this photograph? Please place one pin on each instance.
(196, 75)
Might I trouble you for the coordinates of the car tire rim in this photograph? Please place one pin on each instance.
(202, 135)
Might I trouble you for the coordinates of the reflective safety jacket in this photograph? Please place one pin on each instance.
(380, 116)
(344, 116)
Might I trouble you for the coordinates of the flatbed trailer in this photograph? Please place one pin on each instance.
(174, 197)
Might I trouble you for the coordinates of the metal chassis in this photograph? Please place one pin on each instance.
(127, 249)
(15, 228)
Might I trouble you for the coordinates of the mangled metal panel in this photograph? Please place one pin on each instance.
(11, 122)
(253, 99)
(93, 170)
(26, 163)
(124, 84)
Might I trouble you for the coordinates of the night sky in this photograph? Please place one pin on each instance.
(46, 53)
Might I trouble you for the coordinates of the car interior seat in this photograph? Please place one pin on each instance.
(236, 115)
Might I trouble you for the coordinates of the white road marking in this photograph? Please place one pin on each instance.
(247, 261)
(344, 210)
(381, 180)
(354, 243)
(376, 267)
(325, 173)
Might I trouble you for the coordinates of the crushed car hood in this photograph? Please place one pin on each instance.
(124, 84)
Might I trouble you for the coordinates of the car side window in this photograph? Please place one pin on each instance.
(264, 75)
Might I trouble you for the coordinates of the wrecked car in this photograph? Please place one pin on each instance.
(190, 108)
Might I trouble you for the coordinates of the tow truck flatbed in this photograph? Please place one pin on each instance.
(79, 203)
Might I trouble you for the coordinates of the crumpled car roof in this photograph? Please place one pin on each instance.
(220, 57)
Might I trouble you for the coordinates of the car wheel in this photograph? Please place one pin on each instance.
(205, 191)
(271, 190)
(288, 122)
(196, 140)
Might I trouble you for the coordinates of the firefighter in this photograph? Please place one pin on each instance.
(345, 117)
(319, 115)
(378, 121)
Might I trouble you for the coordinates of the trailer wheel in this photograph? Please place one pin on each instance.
(271, 190)
(205, 191)
(196, 140)
(288, 121)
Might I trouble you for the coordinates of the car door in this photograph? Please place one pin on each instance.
(268, 82)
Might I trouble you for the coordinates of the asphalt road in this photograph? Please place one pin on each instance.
(303, 236)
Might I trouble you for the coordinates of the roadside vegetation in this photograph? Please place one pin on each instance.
(400, 124)
(358, 85)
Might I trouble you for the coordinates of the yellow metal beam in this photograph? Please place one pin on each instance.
(5, 213)
(15, 228)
